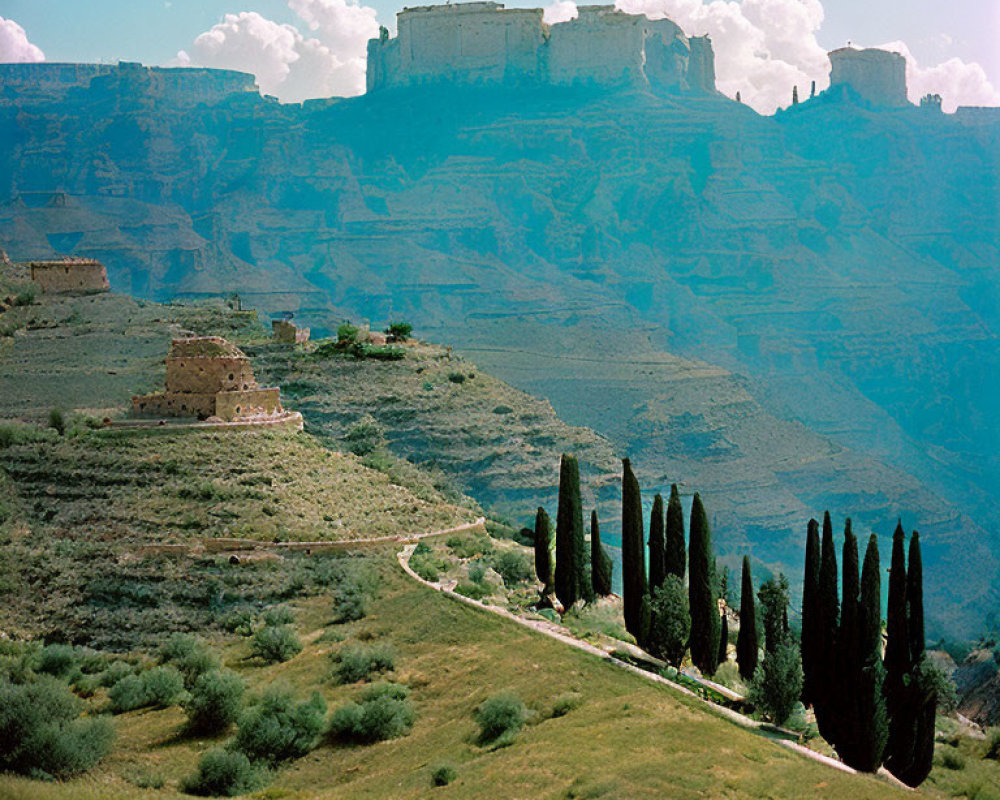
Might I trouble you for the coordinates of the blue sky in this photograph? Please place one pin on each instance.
(153, 31)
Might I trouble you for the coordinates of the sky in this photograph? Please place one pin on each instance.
(316, 48)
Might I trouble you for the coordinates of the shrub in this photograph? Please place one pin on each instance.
(58, 660)
(425, 569)
(25, 297)
(128, 694)
(399, 331)
(56, 421)
(189, 655)
(777, 683)
(278, 729)
(500, 718)
(223, 773)
(952, 759)
(514, 567)
(238, 620)
(215, 702)
(359, 662)
(477, 571)
(383, 712)
(565, 703)
(115, 671)
(353, 587)
(42, 734)
(443, 774)
(992, 744)
(162, 685)
(347, 334)
(456, 377)
(275, 644)
(474, 591)
(365, 436)
(278, 615)
(728, 675)
(670, 621)
(470, 546)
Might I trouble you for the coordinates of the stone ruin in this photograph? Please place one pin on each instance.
(211, 379)
(69, 276)
(285, 332)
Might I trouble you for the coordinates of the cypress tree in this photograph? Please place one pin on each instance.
(810, 617)
(633, 557)
(746, 640)
(829, 618)
(848, 672)
(872, 730)
(600, 562)
(543, 549)
(723, 642)
(898, 666)
(675, 559)
(915, 600)
(657, 546)
(569, 572)
(701, 591)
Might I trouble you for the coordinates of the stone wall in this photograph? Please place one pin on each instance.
(209, 374)
(484, 43)
(876, 76)
(256, 402)
(69, 276)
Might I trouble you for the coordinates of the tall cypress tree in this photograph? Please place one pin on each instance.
(848, 662)
(746, 640)
(829, 617)
(633, 558)
(543, 549)
(675, 559)
(657, 546)
(600, 562)
(898, 666)
(701, 591)
(920, 691)
(872, 720)
(811, 664)
(569, 573)
(723, 656)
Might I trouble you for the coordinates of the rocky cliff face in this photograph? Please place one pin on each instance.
(785, 313)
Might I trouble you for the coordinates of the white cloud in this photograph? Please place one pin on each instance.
(560, 11)
(762, 47)
(14, 44)
(286, 63)
(958, 82)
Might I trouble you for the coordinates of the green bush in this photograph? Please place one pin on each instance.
(215, 702)
(383, 712)
(115, 671)
(347, 334)
(365, 436)
(278, 615)
(58, 660)
(42, 734)
(728, 675)
(278, 729)
(992, 744)
(456, 377)
(189, 655)
(500, 718)
(425, 569)
(275, 644)
(777, 683)
(354, 585)
(514, 567)
(474, 591)
(443, 774)
(238, 620)
(669, 621)
(477, 572)
(565, 703)
(163, 686)
(952, 759)
(399, 331)
(223, 773)
(56, 421)
(128, 694)
(360, 662)
(470, 546)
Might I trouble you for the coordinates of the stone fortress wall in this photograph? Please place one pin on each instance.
(483, 43)
(70, 276)
(876, 76)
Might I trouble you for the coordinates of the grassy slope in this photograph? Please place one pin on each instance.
(628, 738)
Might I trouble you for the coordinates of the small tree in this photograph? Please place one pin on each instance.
(777, 683)
(57, 421)
(543, 549)
(569, 572)
(701, 591)
(670, 621)
(278, 728)
(347, 334)
(601, 565)
(675, 557)
(399, 331)
(773, 596)
(657, 546)
(633, 559)
(215, 702)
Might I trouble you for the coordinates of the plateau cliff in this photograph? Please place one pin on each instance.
(787, 312)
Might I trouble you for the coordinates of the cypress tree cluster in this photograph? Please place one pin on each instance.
(634, 591)
(571, 581)
(600, 562)
(701, 592)
(543, 550)
(675, 557)
(746, 640)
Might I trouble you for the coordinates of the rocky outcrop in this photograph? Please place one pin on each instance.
(875, 76)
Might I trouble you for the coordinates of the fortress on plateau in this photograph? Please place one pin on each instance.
(486, 44)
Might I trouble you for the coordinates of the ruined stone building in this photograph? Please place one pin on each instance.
(286, 332)
(208, 376)
(70, 276)
(483, 43)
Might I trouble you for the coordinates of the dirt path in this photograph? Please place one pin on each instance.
(559, 633)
